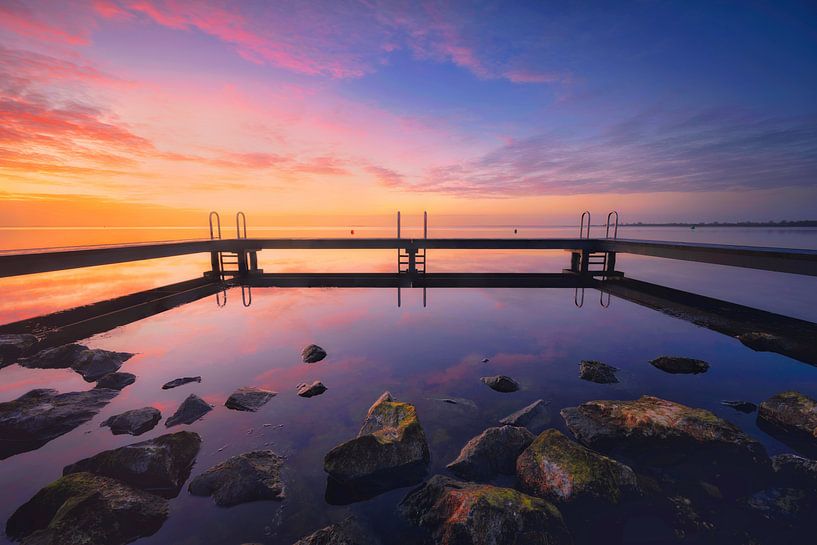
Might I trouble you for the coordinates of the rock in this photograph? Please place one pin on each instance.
(389, 451)
(189, 411)
(83, 509)
(534, 416)
(159, 466)
(493, 451)
(783, 505)
(795, 471)
(92, 364)
(501, 383)
(116, 381)
(764, 342)
(249, 399)
(658, 433)
(12, 346)
(460, 513)
(311, 390)
(676, 365)
(346, 532)
(598, 372)
(37, 417)
(133, 422)
(791, 414)
(251, 476)
(313, 353)
(741, 406)
(564, 472)
(179, 382)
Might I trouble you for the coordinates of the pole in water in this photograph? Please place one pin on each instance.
(514, 230)
(353, 231)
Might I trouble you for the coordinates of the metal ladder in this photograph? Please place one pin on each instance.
(412, 262)
(605, 260)
(229, 263)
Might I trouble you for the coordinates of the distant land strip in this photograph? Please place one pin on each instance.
(784, 223)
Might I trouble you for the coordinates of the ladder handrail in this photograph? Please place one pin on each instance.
(246, 299)
(218, 223)
(581, 225)
(615, 226)
(237, 227)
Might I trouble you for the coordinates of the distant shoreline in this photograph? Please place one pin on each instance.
(801, 223)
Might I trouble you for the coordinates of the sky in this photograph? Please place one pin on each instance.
(152, 112)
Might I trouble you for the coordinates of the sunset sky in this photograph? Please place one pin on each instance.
(152, 112)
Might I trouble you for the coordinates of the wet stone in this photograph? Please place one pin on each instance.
(564, 472)
(347, 532)
(313, 354)
(251, 476)
(492, 452)
(311, 390)
(249, 399)
(795, 471)
(92, 364)
(501, 383)
(159, 466)
(84, 509)
(60, 357)
(598, 372)
(740, 406)
(533, 417)
(133, 422)
(677, 365)
(791, 412)
(116, 381)
(37, 417)
(189, 411)
(12, 346)
(462, 513)
(176, 382)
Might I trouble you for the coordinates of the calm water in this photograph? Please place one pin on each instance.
(537, 336)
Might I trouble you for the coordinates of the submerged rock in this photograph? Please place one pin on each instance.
(12, 346)
(189, 411)
(313, 353)
(598, 372)
(83, 509)
(251, 476)
(389, 451)
(346, 532)
(792, 413)
(493, 451)
(460, 513)
(179, 382)
(133, 422)
(311, 390)
(562, 471)
(501, 383)
(37, 417)
(249, 399)
(116, 381)
(655, 432)
(534, 416)
(741, 406)
(92, 364)
(159, 466)
(677, 365)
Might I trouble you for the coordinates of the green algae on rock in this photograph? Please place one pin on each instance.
(82, 509)
(791, 411)
(562, 471)
(462, 513)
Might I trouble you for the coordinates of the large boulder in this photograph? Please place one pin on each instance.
(655, 432)
(84, 509)
(491, 452)
(501, 383)
(133, 422)
(249, 399)
(598, 372)
(251, 476)
(37, 417)
(564, 472)
(313, 354)
(116, 381)
(159, 466)
(677, 365)
(795, 471)
(14, 345)
(92, 364)
(389, 451)
(461, 513)
(792, 418)
(346, 532)
(191, 409)
(534, 416)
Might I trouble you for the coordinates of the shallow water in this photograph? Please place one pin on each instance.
(537, 336)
